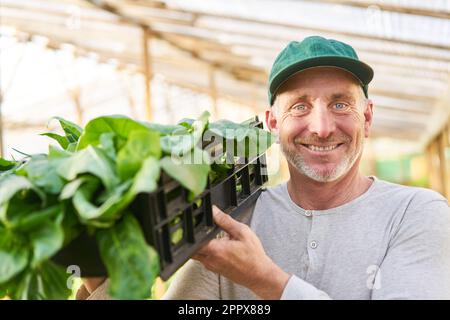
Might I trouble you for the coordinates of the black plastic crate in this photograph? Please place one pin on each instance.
(175, 227)
(162, 218)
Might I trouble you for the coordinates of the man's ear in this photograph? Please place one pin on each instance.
(368, 117)
(271, 120)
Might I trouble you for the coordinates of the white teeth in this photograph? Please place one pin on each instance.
(317, 148)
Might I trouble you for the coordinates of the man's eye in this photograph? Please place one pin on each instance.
(299, 107)
(340, 106)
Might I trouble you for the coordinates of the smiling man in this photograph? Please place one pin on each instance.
(329, 232)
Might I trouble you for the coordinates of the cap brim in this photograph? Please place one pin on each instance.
(359, 69)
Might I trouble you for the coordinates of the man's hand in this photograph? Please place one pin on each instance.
(240, 257)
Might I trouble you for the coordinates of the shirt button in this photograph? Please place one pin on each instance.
(308, 213)
(313, 244)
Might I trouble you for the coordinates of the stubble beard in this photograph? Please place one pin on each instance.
(298, 161)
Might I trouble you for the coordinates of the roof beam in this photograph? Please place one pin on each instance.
(137, 22)
(264, 49)
(313, 29)
(16, 125)
(258, 77)
(390, 7)
(392, 133)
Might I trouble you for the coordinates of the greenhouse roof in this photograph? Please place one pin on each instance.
(406, 42)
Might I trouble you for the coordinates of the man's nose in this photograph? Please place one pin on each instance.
(321, 122)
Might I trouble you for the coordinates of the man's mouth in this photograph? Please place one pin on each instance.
(319, 148)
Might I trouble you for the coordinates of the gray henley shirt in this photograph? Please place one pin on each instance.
(392, 242)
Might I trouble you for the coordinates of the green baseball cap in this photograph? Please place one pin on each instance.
(316, 51)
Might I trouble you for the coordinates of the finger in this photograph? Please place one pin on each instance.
(227, 223)
(209, 249)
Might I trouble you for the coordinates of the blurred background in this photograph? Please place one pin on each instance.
(162, 61)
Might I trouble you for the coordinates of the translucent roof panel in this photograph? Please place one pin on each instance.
(407, 43)
(367, 21)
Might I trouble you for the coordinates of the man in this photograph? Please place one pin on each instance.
(328, 232)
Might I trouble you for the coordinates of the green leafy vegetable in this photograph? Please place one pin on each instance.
(121, 126)
(13, 255)
(190, 170)
(244, 140)
(17, 197)
(72, 130)
(72, 133)
(181, 142)
(46, 241)
(90, 160)
(140, 145)
(42, 172)
(89, 181)
(6, 165)
(63, 141)
(92, 214)
(47, 282)
(146, 178)
(131, 263)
